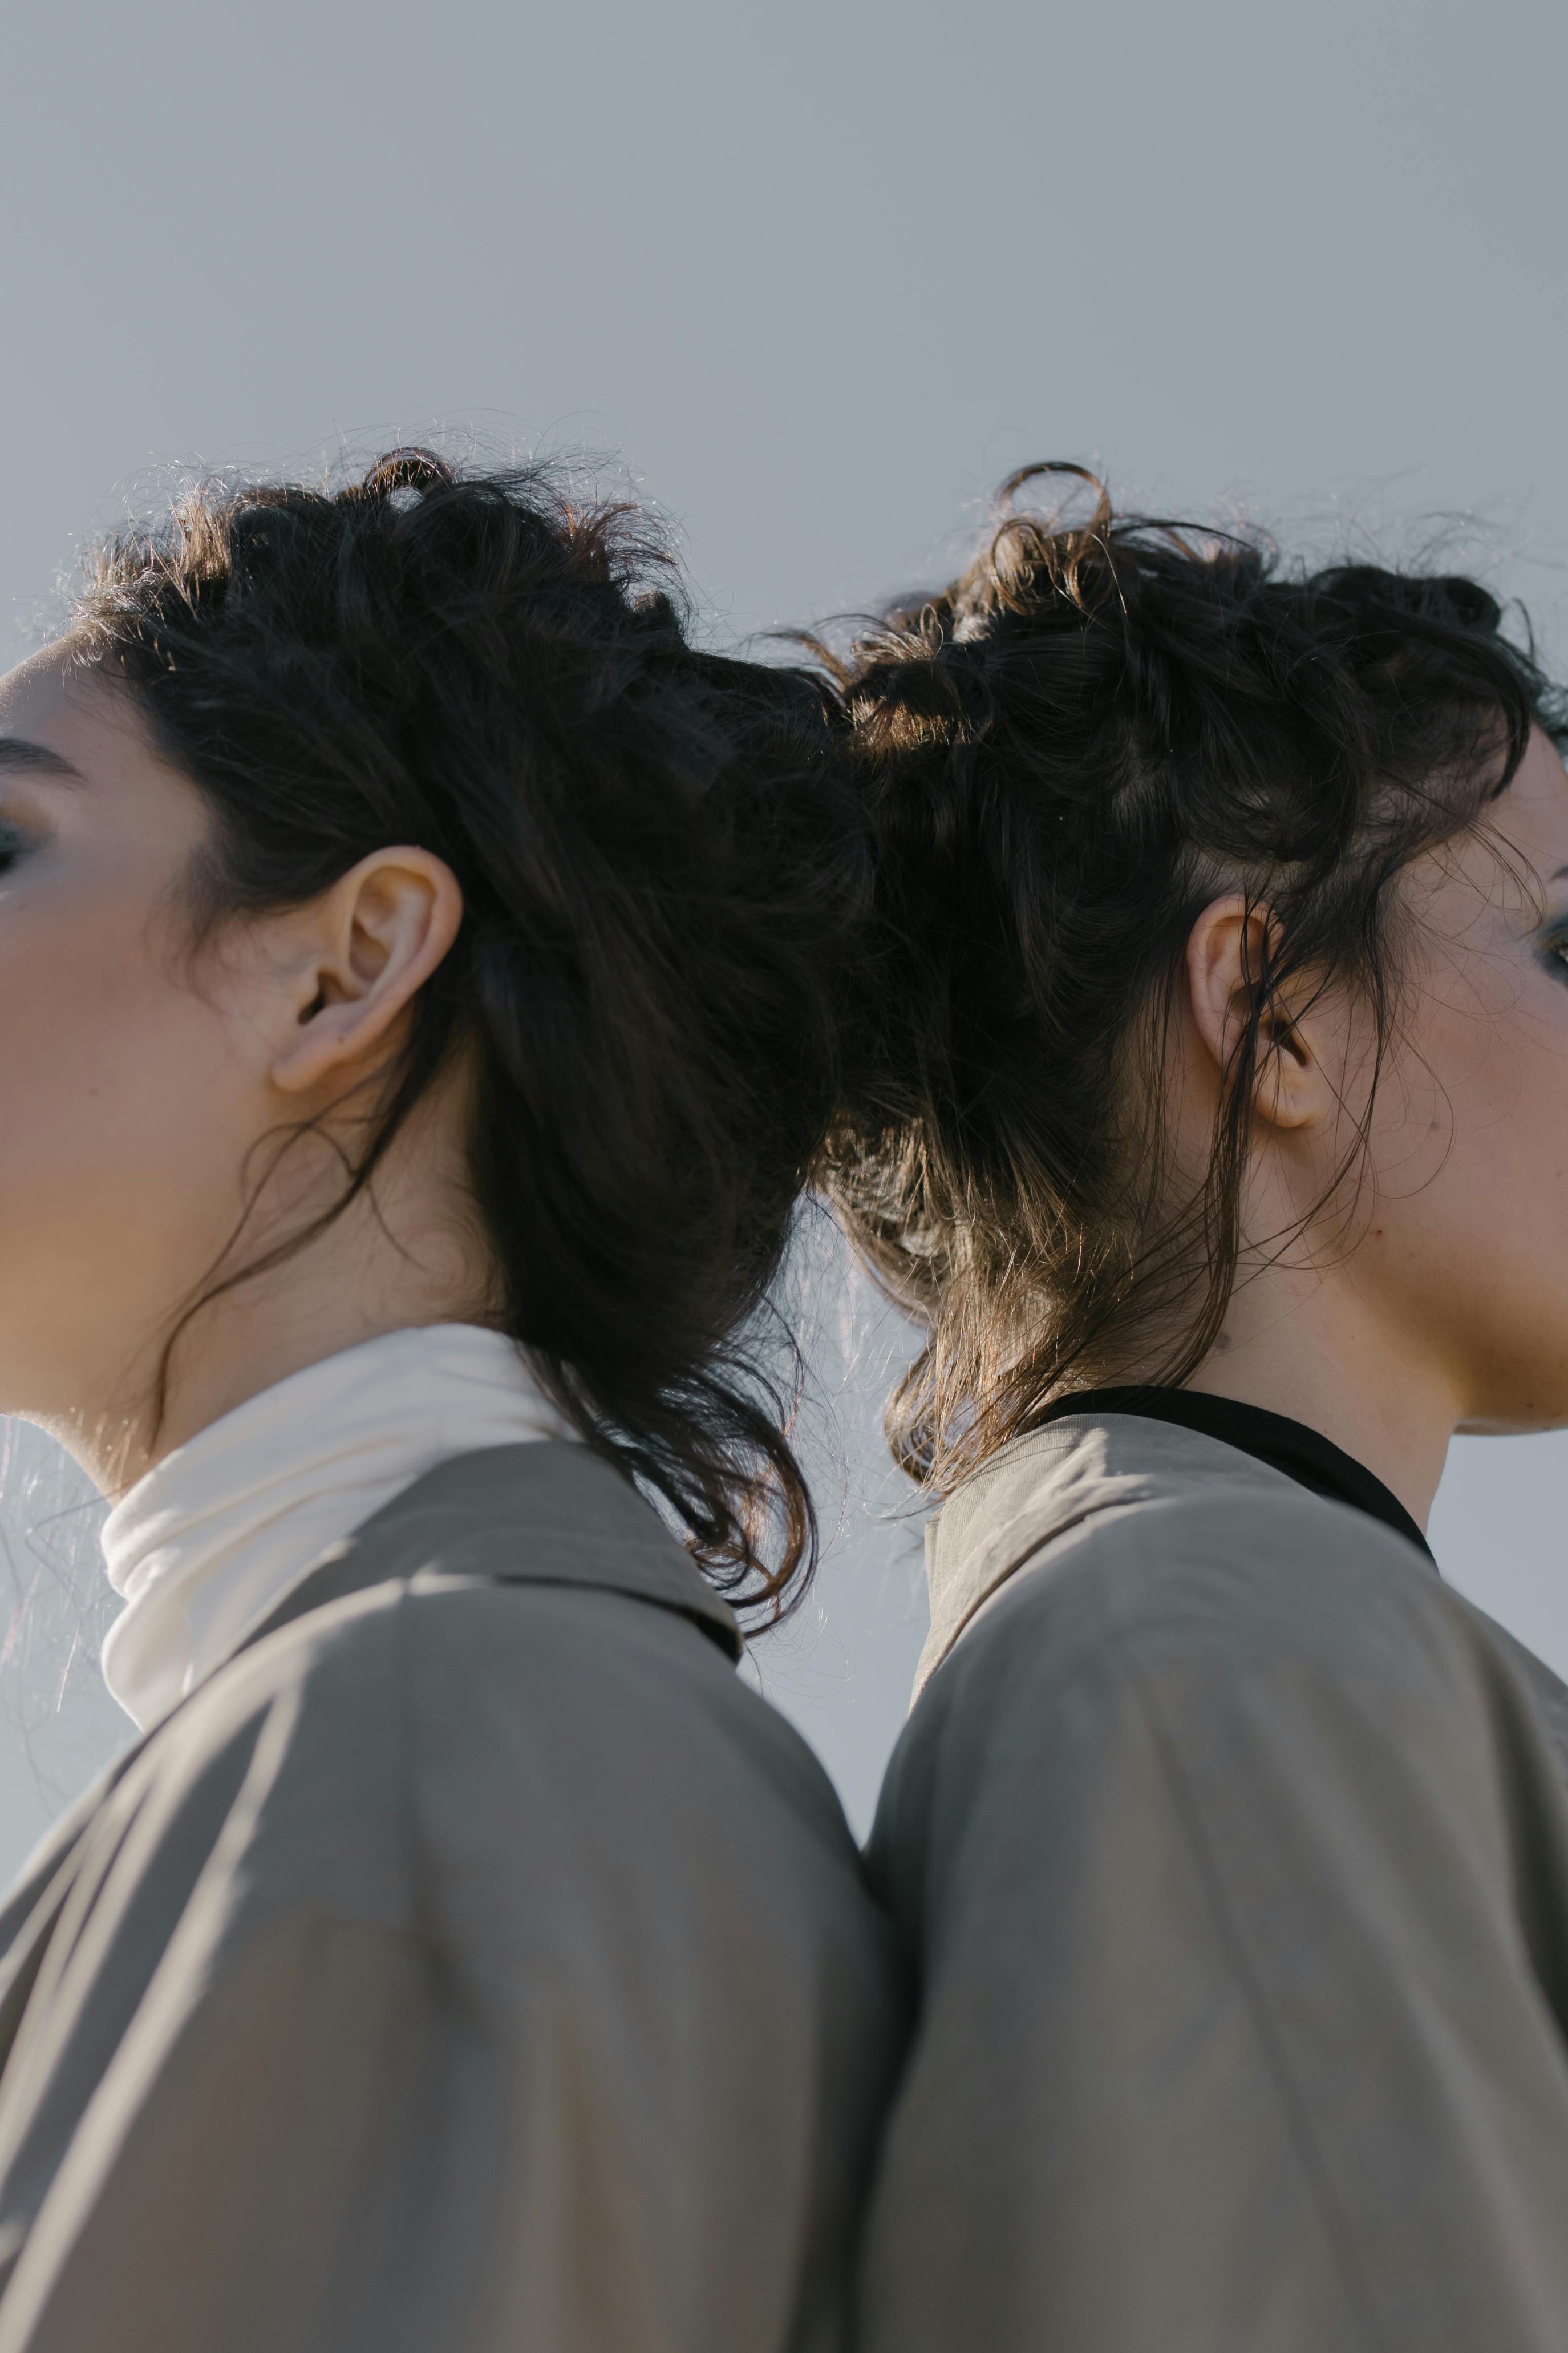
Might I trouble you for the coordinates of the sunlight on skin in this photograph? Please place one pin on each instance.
(1439, 1302)
(147, 1088)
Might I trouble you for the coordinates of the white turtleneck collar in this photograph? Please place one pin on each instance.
(210, 1541)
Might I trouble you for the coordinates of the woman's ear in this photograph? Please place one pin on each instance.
(368, 947)
(1227, 953)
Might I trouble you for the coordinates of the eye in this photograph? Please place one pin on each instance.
(13, 846)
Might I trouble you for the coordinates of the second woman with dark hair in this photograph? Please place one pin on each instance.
(1219, 1140)
(423, 968)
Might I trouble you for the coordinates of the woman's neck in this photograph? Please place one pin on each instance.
(1309, 1347)
(405, 1259)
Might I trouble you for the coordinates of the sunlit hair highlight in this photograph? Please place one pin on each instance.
(1064, 755)
(662, 871)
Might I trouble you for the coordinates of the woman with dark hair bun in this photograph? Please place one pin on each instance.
(425, 969)
(1218, 1137)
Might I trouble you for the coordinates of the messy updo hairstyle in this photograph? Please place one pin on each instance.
(1063, 756)
(661, 866)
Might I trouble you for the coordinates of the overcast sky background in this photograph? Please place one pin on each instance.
(814, 278)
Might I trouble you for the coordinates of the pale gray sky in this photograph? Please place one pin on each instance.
(816, 277)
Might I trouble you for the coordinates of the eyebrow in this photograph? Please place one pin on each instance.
(17, 751)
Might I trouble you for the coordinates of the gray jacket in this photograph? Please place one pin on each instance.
(1234, 1849)
(473, 1962)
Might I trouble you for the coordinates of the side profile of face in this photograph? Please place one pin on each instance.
(138, 1079)
(1468, 1238)
(1450, 1273)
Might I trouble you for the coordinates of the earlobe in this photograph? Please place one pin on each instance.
(375, 938)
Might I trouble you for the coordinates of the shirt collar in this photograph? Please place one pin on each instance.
(1078, 1465)
(546, 1514)
(1303, 1454)
(204, 1547)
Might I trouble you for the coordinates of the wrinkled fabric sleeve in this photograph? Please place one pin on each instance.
(502, 1984)
(245, 2132)
(1244, 1922)
(213, 2191)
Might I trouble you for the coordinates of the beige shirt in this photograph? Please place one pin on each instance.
(1232, 1848)
(471, 1963)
